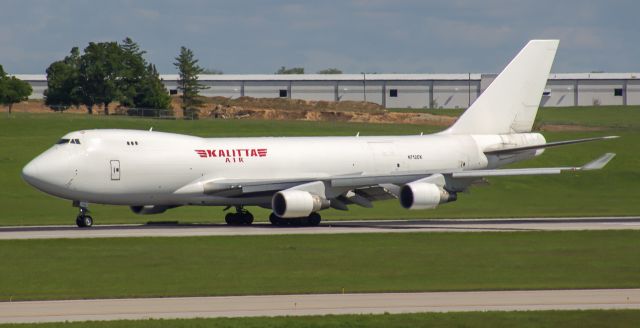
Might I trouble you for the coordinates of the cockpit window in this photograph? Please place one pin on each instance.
(66, 141)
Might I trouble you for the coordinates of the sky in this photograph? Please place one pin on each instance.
(372, 36)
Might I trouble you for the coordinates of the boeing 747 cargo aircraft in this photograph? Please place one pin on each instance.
(296, 178)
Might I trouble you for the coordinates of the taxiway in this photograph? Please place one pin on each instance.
(279, 305)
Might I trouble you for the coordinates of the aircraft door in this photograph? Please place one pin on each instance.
(115, 170)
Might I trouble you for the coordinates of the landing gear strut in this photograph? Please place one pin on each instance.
(241, 217)
(310, 221)
(84, 220)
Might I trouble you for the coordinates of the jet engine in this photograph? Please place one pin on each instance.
(149, 209)
(297, 203)
(422, 195)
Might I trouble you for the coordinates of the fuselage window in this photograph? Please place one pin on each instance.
(62, 141)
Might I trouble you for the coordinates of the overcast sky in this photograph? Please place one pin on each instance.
(355, 36)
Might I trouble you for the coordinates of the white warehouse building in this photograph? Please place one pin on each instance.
(404, 90)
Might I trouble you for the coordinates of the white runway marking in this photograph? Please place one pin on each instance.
(335, 227)
(278, 305)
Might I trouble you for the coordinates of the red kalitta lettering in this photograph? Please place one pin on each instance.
(232, 155)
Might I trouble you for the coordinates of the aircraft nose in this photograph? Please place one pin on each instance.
(31, 173)
(47, 173)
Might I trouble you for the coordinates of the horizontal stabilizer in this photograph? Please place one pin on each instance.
(596, 164)
(546, 145)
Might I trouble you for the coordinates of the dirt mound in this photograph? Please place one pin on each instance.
(276, 109)
(295, 104)
(297, 109)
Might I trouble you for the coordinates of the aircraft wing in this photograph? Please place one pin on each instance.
(364, 183)
(596, 164)
(545, 145)
(366, 187)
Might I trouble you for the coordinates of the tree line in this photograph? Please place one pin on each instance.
(108, 72)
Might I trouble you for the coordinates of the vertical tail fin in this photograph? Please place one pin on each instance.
(510, 103)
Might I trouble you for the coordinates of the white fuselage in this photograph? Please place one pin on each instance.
(132, 167)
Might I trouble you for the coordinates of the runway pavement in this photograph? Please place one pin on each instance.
(278, 305)
(335, 227)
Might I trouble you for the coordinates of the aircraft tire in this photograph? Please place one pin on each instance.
(313, 220)
(246, 218)
(80, 221)
(230, 218)
(87, 221)
(233, 219)
(276, 220)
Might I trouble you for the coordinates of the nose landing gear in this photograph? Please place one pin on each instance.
(84, 220)
(241, 217)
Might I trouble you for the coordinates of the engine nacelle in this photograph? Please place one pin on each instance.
(149, 209)
(297, 203)
(423, 195)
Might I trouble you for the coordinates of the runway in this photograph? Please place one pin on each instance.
(294, 305)
(335, 227)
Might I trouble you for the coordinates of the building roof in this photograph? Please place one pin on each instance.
(368, 77)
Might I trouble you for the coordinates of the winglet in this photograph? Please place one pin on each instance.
(598, 163)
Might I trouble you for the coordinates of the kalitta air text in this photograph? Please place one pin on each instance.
(236, 155)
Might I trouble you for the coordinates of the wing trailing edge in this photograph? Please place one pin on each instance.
(596, 164)
(545, 145)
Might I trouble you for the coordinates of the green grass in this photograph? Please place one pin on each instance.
(610, 117)
(582, 319)
(202, 266)
(612, 191)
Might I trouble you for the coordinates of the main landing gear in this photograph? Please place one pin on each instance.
(241, 217)
(310, 221)
(84, 220)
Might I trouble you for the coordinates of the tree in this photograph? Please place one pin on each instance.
(292, 70)
(139, 83)
(62, 82)
(151, 92)
(133, 72)
(330, 71)
(12, 89)
(106, 72)
(188, 71)
(99, 72)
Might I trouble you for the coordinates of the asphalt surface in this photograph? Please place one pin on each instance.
(294, 305)
(336, 227)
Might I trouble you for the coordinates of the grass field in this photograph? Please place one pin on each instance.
(582, 319)
(203, 266)
(611, 191)
(610, 117)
